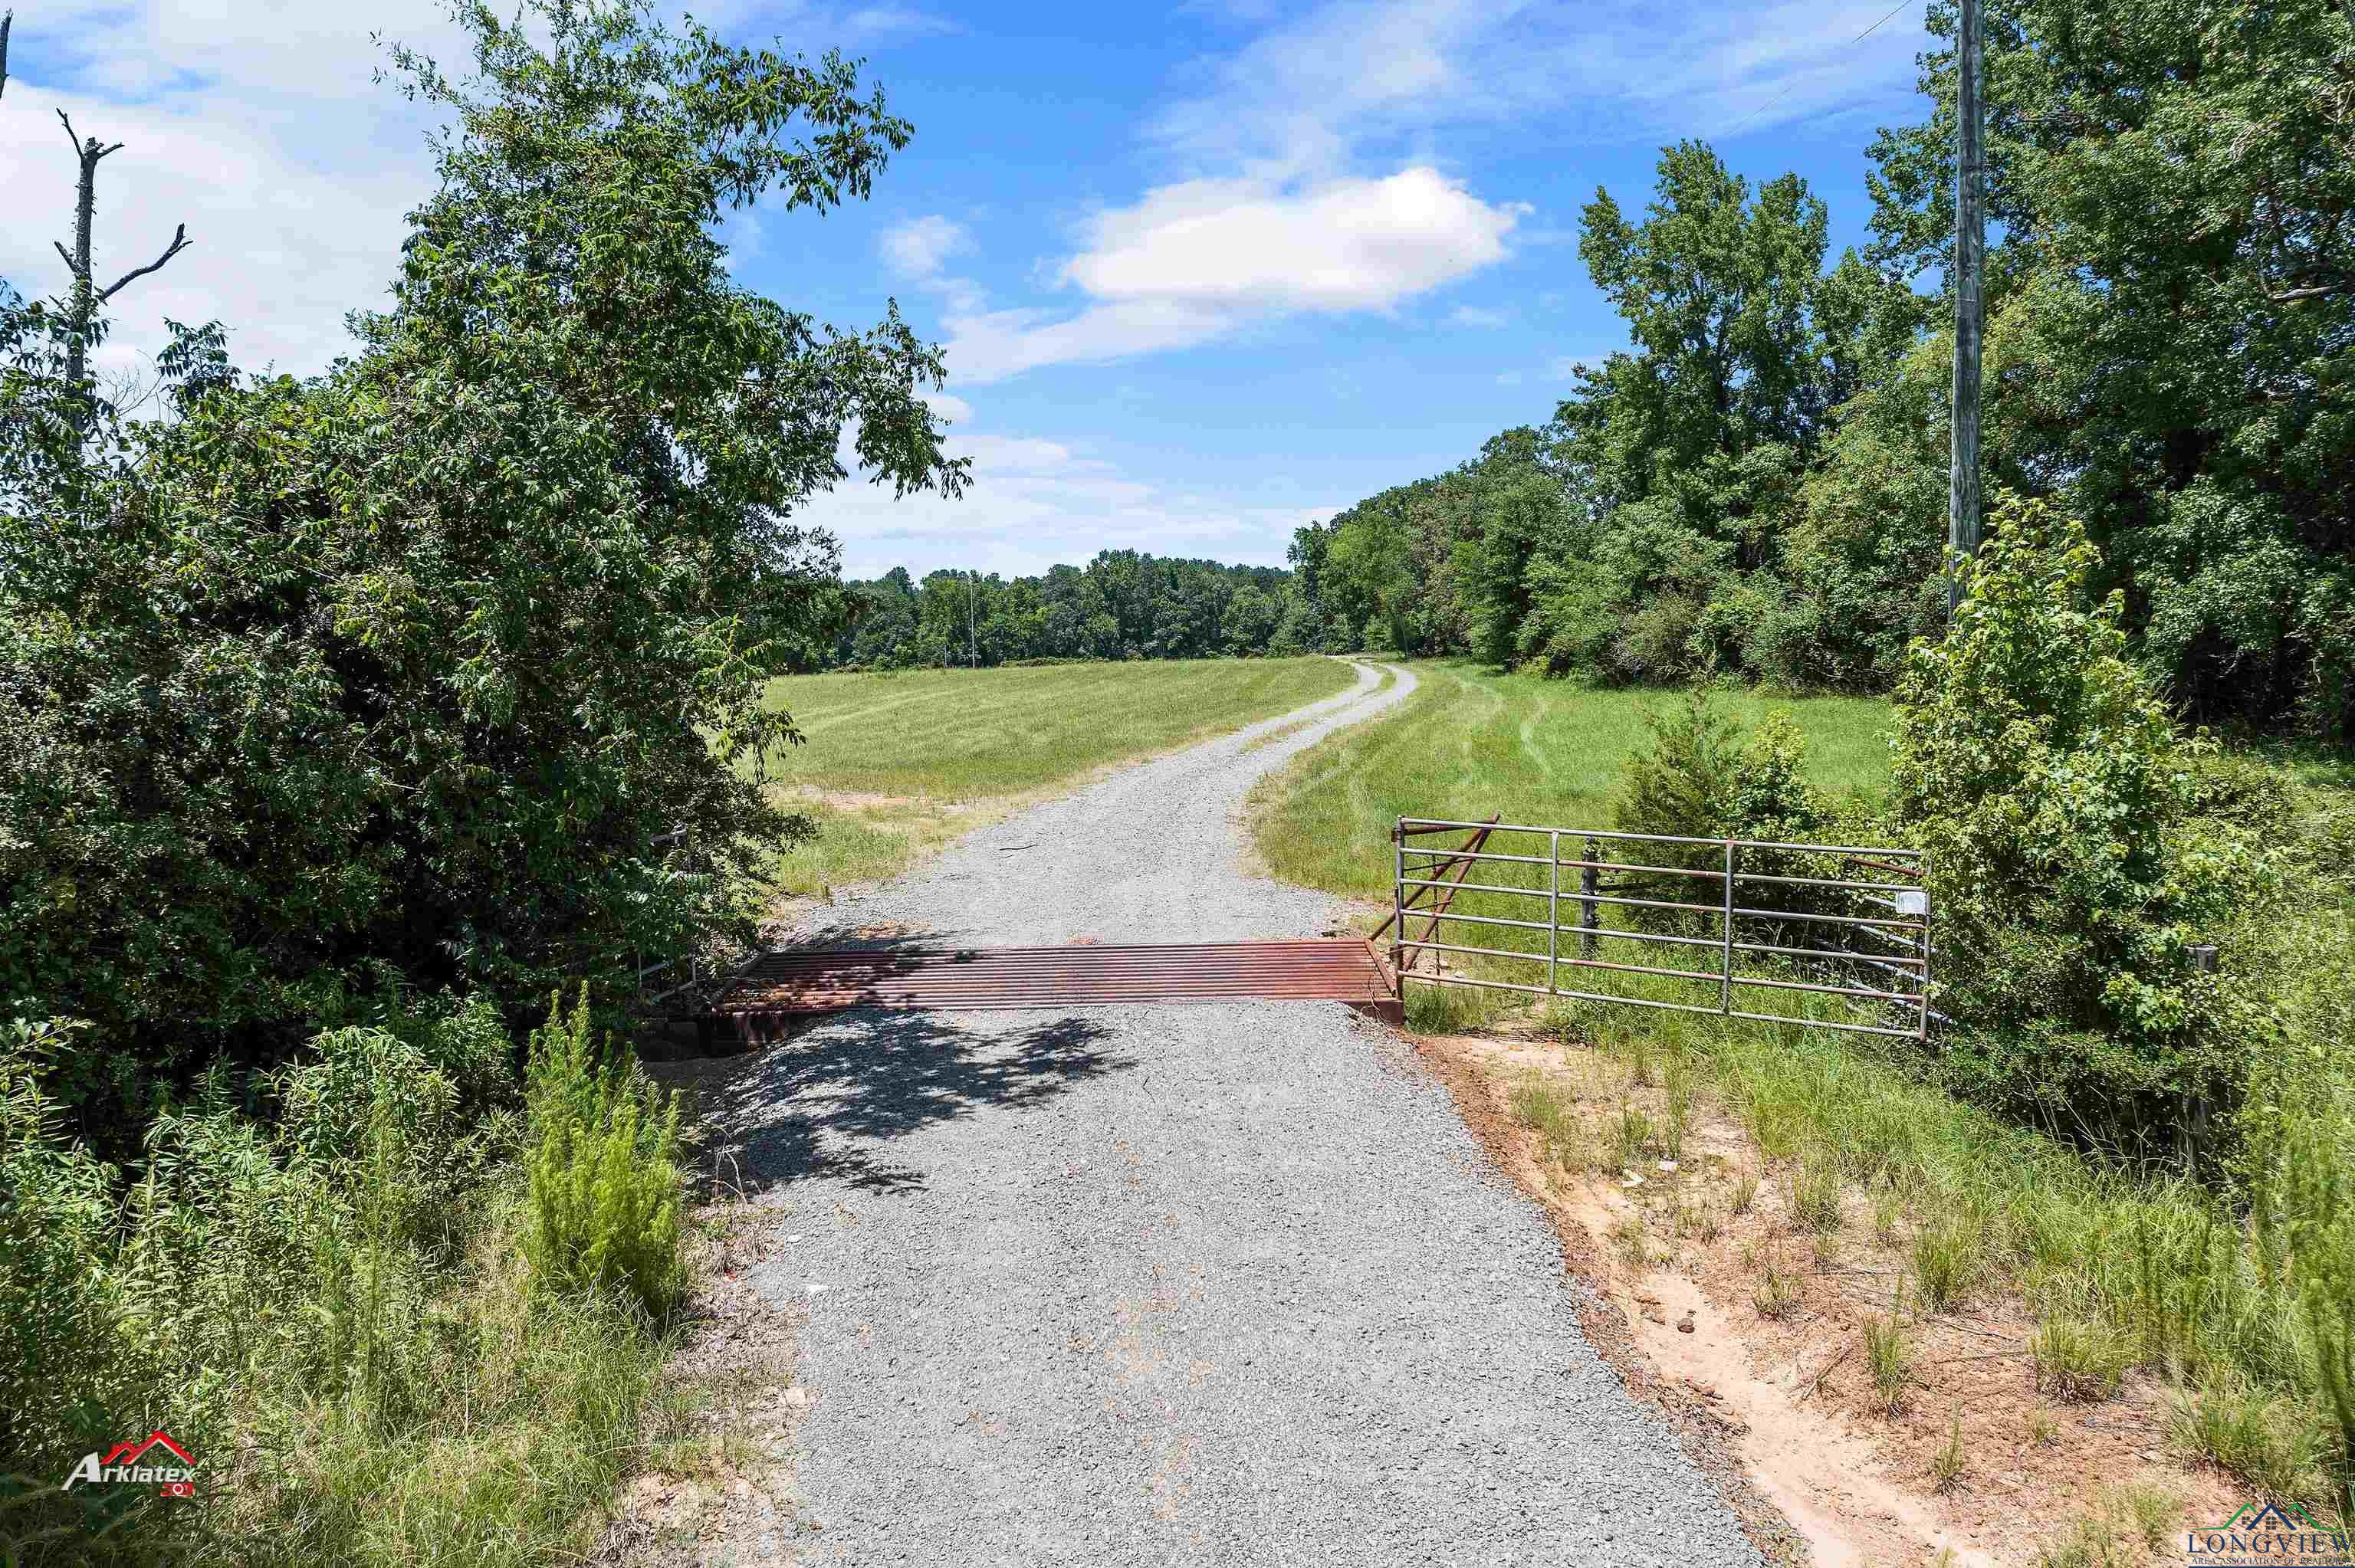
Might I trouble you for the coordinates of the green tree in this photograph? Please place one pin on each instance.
(446, 668)
(2171, 318)
(2070, 879)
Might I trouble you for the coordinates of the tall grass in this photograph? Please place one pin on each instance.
(333, 1312)
(897, 762)
(2237, 1294)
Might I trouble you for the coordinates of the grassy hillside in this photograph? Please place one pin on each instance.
(1470, 743)
(899, 762)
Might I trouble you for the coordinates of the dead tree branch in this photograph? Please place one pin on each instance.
(179, 242)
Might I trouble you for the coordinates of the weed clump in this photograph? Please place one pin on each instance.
(604, 1180)
(2080, 1359)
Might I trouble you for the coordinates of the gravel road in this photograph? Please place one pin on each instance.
(1220, 1284)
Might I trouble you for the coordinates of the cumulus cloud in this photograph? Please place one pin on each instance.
(256, 127)
(1201, 259)
(260, 127)
(1478, 316)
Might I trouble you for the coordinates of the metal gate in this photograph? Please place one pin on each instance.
(1818, 920)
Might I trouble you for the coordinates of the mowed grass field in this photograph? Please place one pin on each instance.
(897, 763)
(1471, 743)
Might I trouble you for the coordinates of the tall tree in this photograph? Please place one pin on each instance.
(2172, 317)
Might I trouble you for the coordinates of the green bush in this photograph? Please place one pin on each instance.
(605, 1187)
(449, 667)
(2069, 875)
(1701, 778)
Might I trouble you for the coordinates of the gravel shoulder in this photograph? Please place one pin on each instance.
(1223, 1283)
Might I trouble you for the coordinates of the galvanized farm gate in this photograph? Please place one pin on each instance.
(1820, 919)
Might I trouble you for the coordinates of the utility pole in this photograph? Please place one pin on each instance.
(1970, 256)
(972, 623)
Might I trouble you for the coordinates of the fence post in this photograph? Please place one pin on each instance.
(1590, 883)
(1398, 903)
(1553, 916)
(1725, 986)
(1922, 866)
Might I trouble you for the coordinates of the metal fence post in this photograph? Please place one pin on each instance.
(1398, 902)
(1553, 917)
(1923, 871)
(1590, 883)
(1725, 986)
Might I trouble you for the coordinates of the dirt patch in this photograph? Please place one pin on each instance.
(1975, 1468)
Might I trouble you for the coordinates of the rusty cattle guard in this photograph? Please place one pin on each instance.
(761, 998)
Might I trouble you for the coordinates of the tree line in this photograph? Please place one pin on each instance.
(1124, 604)
(1756, 485)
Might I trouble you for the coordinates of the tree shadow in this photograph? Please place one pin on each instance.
(822, 1103)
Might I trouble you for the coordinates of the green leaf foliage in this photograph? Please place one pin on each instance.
(2069, 876)
(1758, 484)
(605, 1187)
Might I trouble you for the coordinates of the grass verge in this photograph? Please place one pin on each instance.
(2238, 1291)
(1470, 743)
(377, 1340)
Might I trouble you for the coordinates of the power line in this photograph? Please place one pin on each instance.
(1787, 92)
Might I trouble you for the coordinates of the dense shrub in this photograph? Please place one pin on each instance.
(447, 668)
(1698, 776)
(2069, 874)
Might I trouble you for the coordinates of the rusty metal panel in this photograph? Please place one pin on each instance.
(823, 980)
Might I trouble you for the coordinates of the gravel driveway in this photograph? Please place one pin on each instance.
(1222, 1283)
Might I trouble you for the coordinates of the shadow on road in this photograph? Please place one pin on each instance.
(828, 1102)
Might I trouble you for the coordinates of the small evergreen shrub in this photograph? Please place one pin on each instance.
(604, 1179)
(1701, 778)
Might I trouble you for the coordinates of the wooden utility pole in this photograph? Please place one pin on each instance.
(972, 621)
(1970, 256)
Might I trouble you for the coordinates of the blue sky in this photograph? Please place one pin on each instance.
(1203, 272)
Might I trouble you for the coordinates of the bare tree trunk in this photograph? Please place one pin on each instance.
(82, 312)
(85, 303)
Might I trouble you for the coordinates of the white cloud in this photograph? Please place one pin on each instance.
(1340, 245)
(1203, 258)
(257, 124)
(1035, 504)
(918, 247)
(1478, 316)
(949, 406)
